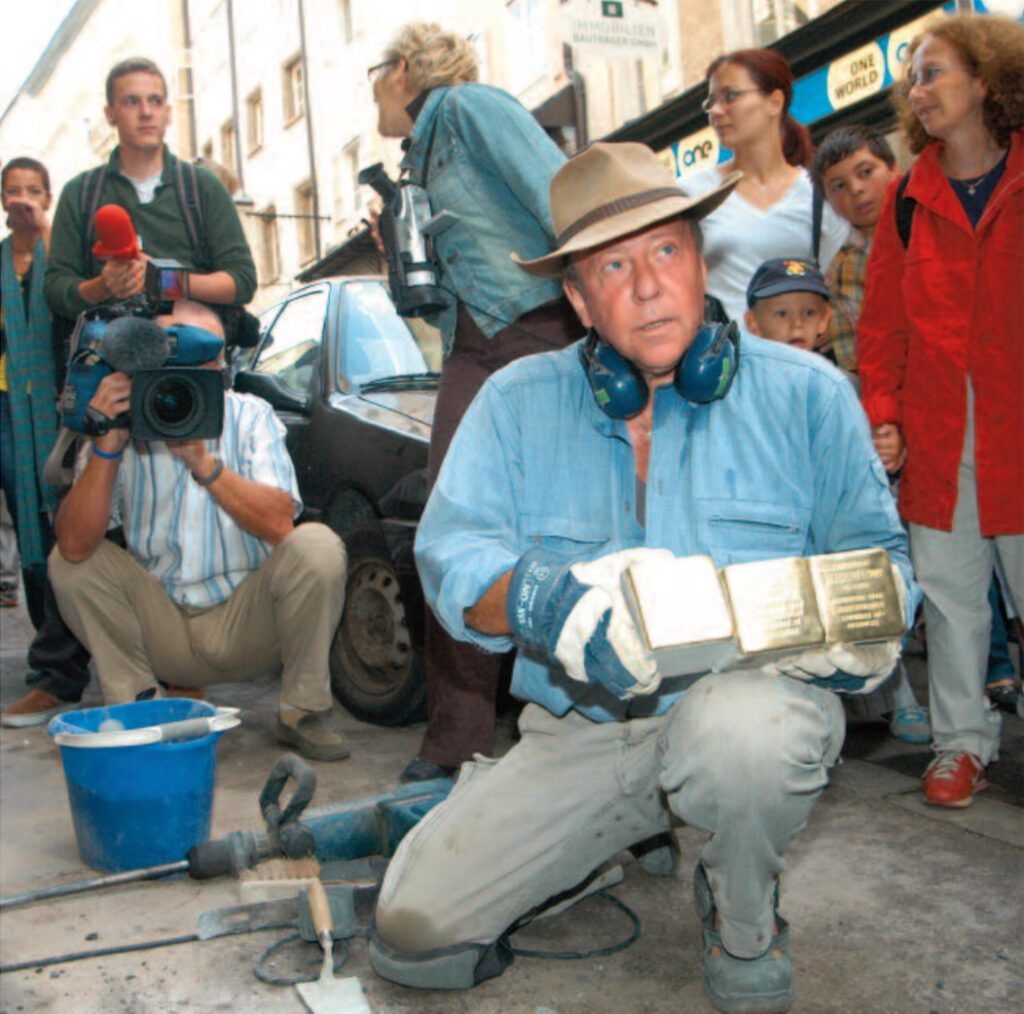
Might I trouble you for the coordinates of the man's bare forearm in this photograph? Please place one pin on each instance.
(84, 514)
(263, 511)
(489, 615)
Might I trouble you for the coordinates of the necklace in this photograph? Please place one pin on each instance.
(972, 185)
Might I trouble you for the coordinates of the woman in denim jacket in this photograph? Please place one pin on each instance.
(485, 160)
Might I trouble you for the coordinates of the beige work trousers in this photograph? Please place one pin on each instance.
(280, 619)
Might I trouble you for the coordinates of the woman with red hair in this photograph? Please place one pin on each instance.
(770, 213)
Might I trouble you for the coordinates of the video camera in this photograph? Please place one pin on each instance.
(407, 230)
(173, 398)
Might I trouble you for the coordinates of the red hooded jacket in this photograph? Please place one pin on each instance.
(949, 307)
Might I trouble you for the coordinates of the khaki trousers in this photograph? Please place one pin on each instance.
(280, 619)
(742, 755)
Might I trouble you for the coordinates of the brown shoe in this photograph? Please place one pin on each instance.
(36, 708)
(313, 735)
(195, 693)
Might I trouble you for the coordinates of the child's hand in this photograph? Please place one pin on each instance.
(888, 441)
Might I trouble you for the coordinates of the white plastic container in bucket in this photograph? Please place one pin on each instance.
(140, 778)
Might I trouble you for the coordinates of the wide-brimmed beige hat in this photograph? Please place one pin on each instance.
(611, 190)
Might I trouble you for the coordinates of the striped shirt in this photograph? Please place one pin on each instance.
(175, 528)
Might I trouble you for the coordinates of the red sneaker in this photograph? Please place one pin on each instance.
(953, 778)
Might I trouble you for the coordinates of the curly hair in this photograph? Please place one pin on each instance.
(992, 48)
(434, 57)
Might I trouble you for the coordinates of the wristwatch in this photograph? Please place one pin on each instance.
(209, 480)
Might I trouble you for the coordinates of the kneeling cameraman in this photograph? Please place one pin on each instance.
(217, 584)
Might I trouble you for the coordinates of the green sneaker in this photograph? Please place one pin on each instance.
(762, 985)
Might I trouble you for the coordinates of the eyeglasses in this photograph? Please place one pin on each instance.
(374, 72)
(727, 98)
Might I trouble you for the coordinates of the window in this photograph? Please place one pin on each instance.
(775, 18)
(291, 89)
(377, 342)
(345, 13)
(304, 222)
(292, 349)
(270, 260)
(526, 42)
(350, 161)
(254, 120)
(227, 146)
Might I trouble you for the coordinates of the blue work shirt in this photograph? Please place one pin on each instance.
(490, 165)
(782, 466)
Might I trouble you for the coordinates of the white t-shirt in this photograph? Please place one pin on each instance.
(739, 237)
(146, 189)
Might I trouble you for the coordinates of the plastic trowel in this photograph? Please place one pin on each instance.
(328, 995)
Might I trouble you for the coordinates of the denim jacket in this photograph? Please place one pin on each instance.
(490, 166)
(782, 466)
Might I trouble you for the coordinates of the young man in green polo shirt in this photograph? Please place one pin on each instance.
(146, 180)
(140, 176)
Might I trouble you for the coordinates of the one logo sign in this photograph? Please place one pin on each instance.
(797, 268)
(856, 75)
(611, 9)
(698, 151)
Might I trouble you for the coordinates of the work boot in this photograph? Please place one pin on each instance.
(36, 708)
(312, 733)
(420, 770)
(761, 985)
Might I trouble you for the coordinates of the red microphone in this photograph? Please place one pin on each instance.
(115, 234)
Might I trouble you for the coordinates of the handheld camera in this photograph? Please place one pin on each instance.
(406, 229)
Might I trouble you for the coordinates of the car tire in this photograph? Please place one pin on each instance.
(377, 653)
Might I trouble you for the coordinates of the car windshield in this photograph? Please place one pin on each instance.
(378, 344)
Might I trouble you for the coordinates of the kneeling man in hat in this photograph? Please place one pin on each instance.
(652, 437)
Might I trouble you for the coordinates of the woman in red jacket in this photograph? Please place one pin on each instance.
(941, 349)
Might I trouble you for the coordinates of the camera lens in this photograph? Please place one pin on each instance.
(174, 405)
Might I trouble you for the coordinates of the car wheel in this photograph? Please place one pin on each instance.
(376, 655)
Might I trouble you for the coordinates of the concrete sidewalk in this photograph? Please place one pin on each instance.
(893, 906)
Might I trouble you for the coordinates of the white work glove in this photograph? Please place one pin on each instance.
(871, 664)
(576, 615)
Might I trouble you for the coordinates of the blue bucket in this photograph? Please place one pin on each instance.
(137, 806)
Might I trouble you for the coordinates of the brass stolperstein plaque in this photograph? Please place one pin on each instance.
(694, 617)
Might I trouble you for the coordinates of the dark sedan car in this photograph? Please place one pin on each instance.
(355, 385)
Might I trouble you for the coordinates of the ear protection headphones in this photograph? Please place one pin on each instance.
(704, 374)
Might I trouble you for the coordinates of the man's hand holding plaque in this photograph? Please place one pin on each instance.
(871, 663)
(837, 619)
(575, 615)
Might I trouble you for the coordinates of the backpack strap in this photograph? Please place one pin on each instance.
(904, 208)
(187, 185)
(88, 204)
(817, 213)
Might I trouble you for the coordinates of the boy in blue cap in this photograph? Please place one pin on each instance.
(789, 301)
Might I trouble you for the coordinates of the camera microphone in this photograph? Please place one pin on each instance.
(131, 344)
(115, 234)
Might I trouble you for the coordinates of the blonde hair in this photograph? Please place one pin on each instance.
(993, 50)
(433, 56)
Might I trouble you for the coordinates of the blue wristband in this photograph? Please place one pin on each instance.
(107, 457)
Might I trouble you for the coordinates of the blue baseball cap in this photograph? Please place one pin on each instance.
(786, 274)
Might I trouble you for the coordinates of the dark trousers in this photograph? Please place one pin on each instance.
(462, 680)
(60, 664)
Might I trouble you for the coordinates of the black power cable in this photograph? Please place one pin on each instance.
(599, 952)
